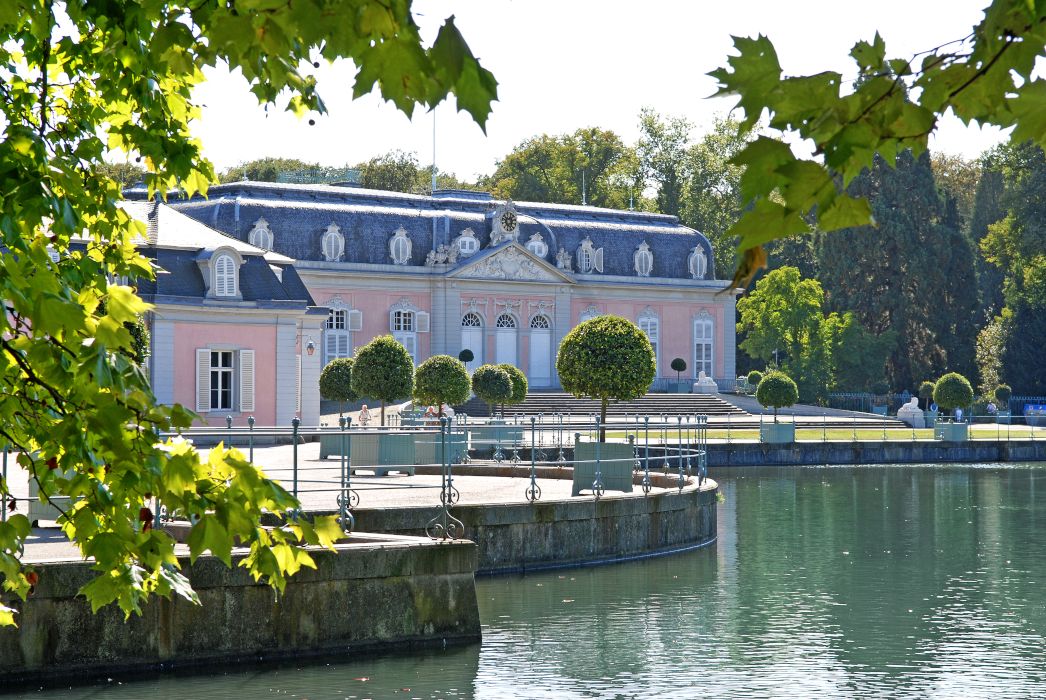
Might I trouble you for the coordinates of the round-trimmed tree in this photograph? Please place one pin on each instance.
(336, 382)
(519, 386)
(384, 371)
(926, 392)
(754, 377)
(776, 390)
(466, 356)
(492, 384)
(953, 391)
(441, 380)
(678, 365)
(1003, 392)
(606, 358)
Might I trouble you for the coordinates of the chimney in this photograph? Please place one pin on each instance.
(152, 224)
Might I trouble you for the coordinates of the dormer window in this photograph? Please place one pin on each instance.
(537, 245)
(224, 276)
(260, 236)
(697, 263)
(467, 243)
(400, 247)
(589, 258)
(643, 260)
(333, 243)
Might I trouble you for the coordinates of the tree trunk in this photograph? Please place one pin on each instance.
(603, 421)
(382, 414)
(775, 415)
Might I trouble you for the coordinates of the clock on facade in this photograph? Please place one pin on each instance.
(508, 221)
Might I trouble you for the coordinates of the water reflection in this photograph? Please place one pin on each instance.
(838, 582)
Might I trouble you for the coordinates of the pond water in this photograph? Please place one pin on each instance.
(922, 581)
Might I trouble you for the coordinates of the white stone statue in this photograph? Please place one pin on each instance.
(705, 384)
(911, 414)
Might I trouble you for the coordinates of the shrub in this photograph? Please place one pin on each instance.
(952, 391)
(605, 358)
(519, 386)
(754, 377)
(678, 365)
(1003, 392)
(336, 382)
(492, 384)
(441, 380)
(383, 370)
(881, 387)
(466, 356)
(926, 392)
(776, 390)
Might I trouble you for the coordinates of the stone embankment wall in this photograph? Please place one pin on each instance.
(517, 537)
(796, 454)
(371, 593)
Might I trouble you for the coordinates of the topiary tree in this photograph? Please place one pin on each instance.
(776, 390)
(754, 377)
(384, 371)
(336, 382)
(519, 386)
(492, 384)
(952, 391)
(926, 392)
(606, 358)
(466, 356)
(679, 365)
(1003, 392)
(441, 380)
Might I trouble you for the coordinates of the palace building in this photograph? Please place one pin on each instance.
(442, 273)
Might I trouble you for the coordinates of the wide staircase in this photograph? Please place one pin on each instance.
(550, 403)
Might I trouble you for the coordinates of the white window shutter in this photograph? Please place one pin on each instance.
(355, 320)
(246, 381)
(203, 380)
(422, 319)
(598, 265)
(392, 316)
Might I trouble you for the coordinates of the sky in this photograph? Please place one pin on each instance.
(570, 64)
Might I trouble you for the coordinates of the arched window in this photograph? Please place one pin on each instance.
(649, 324)
(540, 322)
(472, 338)
(400, 247)
(589, 258)
(505, 338)
(697, 263)
(224, 276)
(540, 373)
(260, 236)
(467, 243)
(333, 243)
(537, 245)
(643, 260)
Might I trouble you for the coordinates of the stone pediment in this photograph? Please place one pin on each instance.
(511, 262)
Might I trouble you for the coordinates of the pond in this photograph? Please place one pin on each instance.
(917, 581)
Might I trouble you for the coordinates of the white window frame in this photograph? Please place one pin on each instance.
(261, 235)
(333, 243)
(337, 336)
(237, 396)
(692, 260)
(537, 246)
(704, 336)
(403, 324)
(643, 260)
(467, 243)
(650, 324)
(226, 277)
(400, 247)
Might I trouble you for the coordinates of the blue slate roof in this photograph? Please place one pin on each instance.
(298, 216)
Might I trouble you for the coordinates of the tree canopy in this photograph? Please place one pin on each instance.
(519, 384)
(441, 379)
(383, 370)
(776, 390)
(492, 384)
(894, 104)
(336, 381)
(87, 82)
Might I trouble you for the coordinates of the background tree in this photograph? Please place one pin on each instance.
(663, 153)
(266, 169)
(1002, 394)
(926, 393)
(466, 356)
(754, 377)
(988, 208)
(441, 380)
(952, 391)
(82, 83)
(678, 365)
(492, 384)
(336, 382)
(607, 358)
(776, 390)
(395, 171)
(519, 386)
(124, 174)
(383, 371)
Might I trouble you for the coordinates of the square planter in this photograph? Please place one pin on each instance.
(1003, 417)
(382, 452)
(931, 418)
(777, 433)
(486, 437)
(427, 447)
(879, 410)
(952, 432)
(616, 463)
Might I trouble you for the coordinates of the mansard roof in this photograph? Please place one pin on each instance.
(298, 215)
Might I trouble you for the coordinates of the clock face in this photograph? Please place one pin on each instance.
(508, 221)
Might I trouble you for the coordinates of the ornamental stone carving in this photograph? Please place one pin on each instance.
(443, 255)
(564, 260)
(509, 264)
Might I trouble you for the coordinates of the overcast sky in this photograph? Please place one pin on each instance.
(569, 64)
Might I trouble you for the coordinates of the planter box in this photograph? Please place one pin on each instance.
(427, 447)
(486, 437)
(616, 463)
(931, 418)
(777, 433)
(952, 432)
(373, 450)
(879, 410)
(1003, 417)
